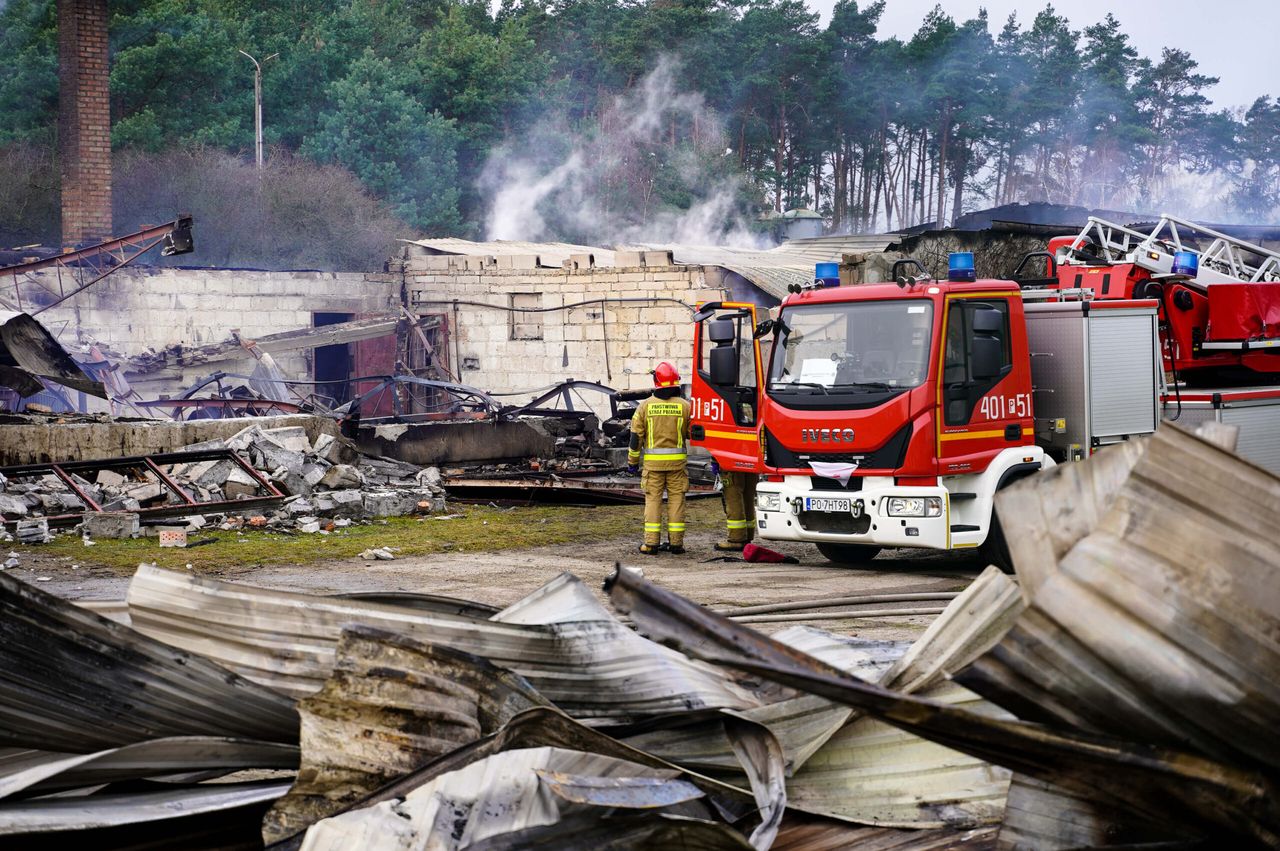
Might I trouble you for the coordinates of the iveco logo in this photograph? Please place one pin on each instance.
(826, 435)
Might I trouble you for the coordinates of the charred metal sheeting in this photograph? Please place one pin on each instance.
(466, 399)
(592, 669)
(802, 723)
(391, 705)
(862, 769)
(44, 772)
(29, 353)
(1161, 624)
(43, 815)
(181, 504)
(873, 773)
(1043, 816)
(1152, 783)
(549, 729)
(75, 682)
(805, 833)
(497, 799)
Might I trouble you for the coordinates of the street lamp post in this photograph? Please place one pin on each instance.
(257, 101)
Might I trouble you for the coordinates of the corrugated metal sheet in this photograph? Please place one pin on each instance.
(391, 705)
(1182, 789)
(42, 771)
(1162, 624)
(503, 795)
(805, 833)
(592, 669)
(97, 811)
(75, 682)
(1045, 817)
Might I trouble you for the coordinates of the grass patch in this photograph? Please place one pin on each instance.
(480, 529)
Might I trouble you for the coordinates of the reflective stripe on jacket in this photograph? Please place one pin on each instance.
(660, 431)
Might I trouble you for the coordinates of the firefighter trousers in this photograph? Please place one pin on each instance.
(675, 483)
(739, 494)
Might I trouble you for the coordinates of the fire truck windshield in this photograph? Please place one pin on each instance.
(863, 347)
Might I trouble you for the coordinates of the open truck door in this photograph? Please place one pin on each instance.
(727, 371)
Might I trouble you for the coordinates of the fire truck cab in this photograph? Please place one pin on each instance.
(889, 415)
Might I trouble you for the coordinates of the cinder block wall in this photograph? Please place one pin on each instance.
(616, 343)
(134, 310)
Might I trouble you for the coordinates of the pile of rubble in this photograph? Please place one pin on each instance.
(297, 484)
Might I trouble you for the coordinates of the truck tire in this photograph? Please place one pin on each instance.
(995, 549)
(848, 553)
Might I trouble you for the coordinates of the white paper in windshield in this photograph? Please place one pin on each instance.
(818, 371)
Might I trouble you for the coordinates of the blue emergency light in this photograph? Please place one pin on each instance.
(1186, 263)
(960, 266)
(827, 274)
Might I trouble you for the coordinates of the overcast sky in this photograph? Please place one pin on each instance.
(1234, 40)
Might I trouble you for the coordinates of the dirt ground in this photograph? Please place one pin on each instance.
(504, 576)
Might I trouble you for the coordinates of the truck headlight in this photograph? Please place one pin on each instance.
(768, 502)
(914, 506)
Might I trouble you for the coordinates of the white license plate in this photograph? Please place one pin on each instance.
(826, 503)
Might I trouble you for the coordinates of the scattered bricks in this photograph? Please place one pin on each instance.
(110, 479)
(12, 506)
(172, 536)
(342, 476)
(35, 531)
(658, 258)
(110, 524)
(628, 258)
(390, 503)
(257, 521)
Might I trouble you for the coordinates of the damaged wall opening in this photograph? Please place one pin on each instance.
(333, 363)
(526, 326)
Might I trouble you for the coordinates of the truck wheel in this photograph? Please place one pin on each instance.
(848, 553)
(995, 549)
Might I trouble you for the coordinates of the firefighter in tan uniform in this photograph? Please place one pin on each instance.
(739, 495)
(660, 433)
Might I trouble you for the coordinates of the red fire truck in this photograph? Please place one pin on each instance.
(889, 415)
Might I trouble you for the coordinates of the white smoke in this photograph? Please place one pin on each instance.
(605, 188)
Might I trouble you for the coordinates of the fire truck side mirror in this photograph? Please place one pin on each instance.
(721, 331)
(987, 321)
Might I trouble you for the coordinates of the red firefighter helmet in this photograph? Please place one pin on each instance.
(666, 376)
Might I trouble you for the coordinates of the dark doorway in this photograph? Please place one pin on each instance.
(333, 363)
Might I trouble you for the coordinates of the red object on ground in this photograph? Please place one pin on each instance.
(757, 553)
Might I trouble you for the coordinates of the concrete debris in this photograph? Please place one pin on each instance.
(329, 480)
(380, 554)
(110, 524)
(34, 531)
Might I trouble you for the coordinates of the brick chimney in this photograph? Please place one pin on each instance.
(84, 121)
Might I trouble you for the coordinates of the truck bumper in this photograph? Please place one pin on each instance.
(783, 513)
